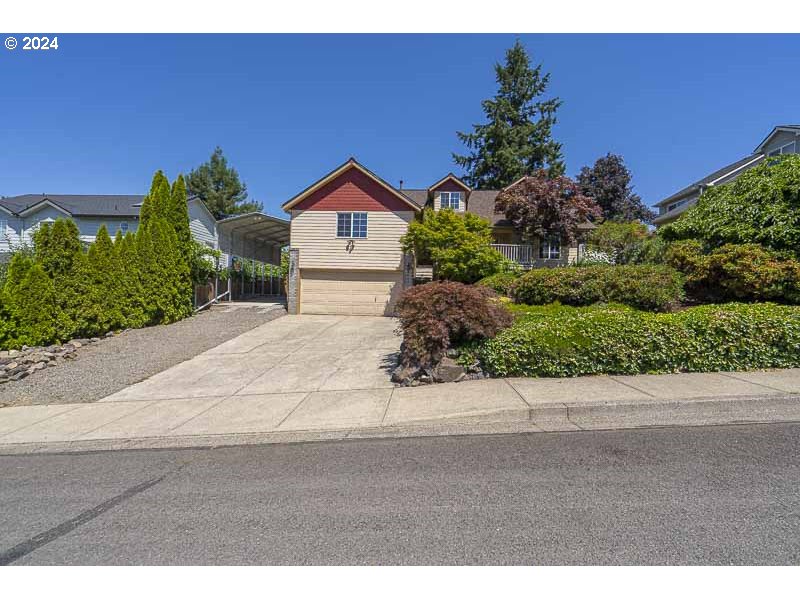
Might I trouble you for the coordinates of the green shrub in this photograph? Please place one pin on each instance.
(29, 299)
(736, 272)
(619, 240)
(457, 244)
(501, 283)
(560, 341)
(438, 315)
(653, 287)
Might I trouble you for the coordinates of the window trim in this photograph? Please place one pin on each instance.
(350, 229)
(547, 242)
(449, 199)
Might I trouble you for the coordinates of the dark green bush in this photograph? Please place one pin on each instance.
(746, 272)
(500, 282)
(438, 315)
(560, 341)
(651, 287)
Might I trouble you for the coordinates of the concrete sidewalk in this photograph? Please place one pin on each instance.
(471, 407)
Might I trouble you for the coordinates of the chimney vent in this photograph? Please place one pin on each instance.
(401, 184)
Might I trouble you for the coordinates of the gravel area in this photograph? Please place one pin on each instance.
(114, 363)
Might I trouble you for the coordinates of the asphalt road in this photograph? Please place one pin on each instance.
(717, 495)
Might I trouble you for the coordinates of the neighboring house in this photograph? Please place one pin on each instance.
(22, 215)
(345, 236)
(254, 236)
(783, 139)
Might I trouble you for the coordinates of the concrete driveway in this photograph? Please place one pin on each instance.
(293, 354)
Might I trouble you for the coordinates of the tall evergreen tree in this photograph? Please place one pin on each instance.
(179, 218)
(102, 308)
(517, 139)
(608, 182)
(133, 305)
(157, 202)
(219, 186)
(60, 257)
(29, 300)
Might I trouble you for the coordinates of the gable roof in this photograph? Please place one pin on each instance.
(78, 205)
(713, 178)
(451, 177)
(350, 163)
(776, 129)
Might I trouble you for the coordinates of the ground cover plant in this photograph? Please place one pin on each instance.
(564, 341)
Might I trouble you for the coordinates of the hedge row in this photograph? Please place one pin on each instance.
(59, 291)
(748, 272)
(650, 287)
(560, 341)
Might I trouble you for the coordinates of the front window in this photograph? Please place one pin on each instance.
(450, 200)
(550, 247)
(3, 226)
(790, 148)
(123, 227)
(351, 225)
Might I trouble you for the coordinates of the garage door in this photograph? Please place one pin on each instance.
(349, 292)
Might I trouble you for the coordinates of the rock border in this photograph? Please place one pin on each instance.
(18, 364)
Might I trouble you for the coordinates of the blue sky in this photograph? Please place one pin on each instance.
(101, 113)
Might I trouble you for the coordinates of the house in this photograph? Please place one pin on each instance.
(783, 139)
(345, 251)
(20, 216)
(253, 236)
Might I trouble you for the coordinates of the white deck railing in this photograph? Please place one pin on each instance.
(518, 253)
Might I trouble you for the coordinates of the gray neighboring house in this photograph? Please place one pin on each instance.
(783, 139)
(20, 216)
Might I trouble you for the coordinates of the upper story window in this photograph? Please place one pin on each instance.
(790, 148)
(450, 200)
(351, 224)
(675, 205)
(550, 247)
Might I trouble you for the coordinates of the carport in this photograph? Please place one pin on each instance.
(254, 238)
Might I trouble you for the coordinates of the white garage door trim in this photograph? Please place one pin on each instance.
(349, 292)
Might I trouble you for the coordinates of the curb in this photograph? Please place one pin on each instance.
(556, 417)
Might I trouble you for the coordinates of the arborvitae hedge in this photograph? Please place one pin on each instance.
(63, 292)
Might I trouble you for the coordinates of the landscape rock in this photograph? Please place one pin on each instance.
(404, 375)
(448, 370)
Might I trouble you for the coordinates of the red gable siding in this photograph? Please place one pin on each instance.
(353, 190)
(449, 186)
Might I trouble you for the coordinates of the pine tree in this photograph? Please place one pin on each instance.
(517, 139)
(219, 186)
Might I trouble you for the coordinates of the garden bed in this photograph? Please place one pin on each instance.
(564, 341)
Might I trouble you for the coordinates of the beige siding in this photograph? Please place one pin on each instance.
(313, 232)
(437, 202)
(337, 292)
